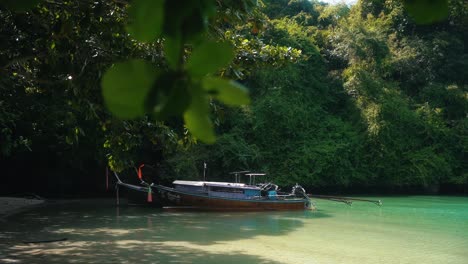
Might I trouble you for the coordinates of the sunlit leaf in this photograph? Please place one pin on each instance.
(227, 91)
(209, 57)
(125, 87)
(427, 11)
(197, 118)
(19, 5)
(146, 19)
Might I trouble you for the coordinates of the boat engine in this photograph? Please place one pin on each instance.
(298, 191)
(265, 188)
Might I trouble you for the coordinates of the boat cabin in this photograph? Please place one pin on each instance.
(219, 189)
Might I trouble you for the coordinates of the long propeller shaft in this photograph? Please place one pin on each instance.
(347, 200)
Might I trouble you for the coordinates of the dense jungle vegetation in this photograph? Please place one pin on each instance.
(349, 98)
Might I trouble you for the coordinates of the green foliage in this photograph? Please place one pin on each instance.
(168, 88)
(197, 116)
(209, 57)
(179, 24)
(370, 131)
(226, 91)
(146, 19)
(168, 96)
(19, 6)
(51, 61)
(339, 96)
(427, 11)
(126, 149)
(172, 52)
(118, 88)
(332, 14)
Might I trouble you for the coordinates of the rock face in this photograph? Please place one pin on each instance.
(11, 205)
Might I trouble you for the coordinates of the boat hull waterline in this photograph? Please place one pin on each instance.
(177, 198)
(163, 196)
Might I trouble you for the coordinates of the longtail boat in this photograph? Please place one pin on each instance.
(211, 195)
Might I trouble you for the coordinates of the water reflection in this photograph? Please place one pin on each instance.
(405, 230)
(207, 228)
(118, 233)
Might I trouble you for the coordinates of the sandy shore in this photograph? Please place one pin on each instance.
(12, 205)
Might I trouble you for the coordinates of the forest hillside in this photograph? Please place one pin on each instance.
(360, 98)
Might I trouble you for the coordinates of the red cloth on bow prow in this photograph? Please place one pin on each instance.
(150, 195)
(140, 175)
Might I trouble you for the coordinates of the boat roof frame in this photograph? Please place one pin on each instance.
(215, 184)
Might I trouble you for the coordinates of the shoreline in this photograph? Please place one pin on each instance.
(12, 205)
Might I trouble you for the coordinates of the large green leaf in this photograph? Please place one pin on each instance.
(209, 57)
(146, 19)
(169, 96)
(197, 118)
(227, 91)
(427, 11)
(175, 103)
(19, 5)
(125, 87)
(172, 51)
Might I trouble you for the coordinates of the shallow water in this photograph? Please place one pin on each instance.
(413, 229)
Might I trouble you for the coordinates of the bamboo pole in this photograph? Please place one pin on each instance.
(117, 194)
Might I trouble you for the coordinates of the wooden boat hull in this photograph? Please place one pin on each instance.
(139, 195)
(163, 196)
(172, 197)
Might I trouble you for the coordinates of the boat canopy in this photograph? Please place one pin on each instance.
(192, 183)
(216, 184)
(252, 177)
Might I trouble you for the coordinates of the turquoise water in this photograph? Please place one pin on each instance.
(412, 229)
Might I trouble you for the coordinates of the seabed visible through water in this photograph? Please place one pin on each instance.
(412, 229)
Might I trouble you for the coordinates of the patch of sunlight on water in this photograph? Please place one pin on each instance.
(413, 229)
